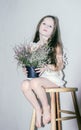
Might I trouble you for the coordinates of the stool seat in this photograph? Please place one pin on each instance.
(61, 89)
(55, 102)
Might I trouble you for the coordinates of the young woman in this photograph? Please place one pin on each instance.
(50, 75)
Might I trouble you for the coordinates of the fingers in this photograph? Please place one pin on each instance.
(25, 70)
(40, 70)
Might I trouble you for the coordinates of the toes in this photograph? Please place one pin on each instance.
(38, 125)
(38, 119)
(46, 119)
(46, 115)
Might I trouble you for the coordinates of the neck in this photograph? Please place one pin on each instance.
(43, 40)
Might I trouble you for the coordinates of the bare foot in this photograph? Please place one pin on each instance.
(38, 118)
(46, 115)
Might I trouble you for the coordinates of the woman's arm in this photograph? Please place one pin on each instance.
(59, 58)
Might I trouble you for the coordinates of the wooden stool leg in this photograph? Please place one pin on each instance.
(59, 123)
(76, 109)
(32, 126)
(53, 111)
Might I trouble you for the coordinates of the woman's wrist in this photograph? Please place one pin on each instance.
(46, 68)
(52, 67)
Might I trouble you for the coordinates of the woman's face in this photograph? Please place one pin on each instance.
(46, 27)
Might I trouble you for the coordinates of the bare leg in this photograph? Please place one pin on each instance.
(38, 85)
(26, 88)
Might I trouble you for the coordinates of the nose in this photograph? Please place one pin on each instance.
(47, 26)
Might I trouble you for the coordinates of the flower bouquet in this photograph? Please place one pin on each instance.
(31, 56)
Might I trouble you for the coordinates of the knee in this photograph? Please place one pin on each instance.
(34, 84)
(25, 86)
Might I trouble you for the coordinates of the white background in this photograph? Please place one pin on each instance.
(18, 19)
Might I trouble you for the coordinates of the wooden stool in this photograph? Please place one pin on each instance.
(56, 118)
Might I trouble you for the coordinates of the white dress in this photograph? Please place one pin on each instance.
(53, 76)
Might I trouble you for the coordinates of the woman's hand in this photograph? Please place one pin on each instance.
(40, 70)
(25, 71)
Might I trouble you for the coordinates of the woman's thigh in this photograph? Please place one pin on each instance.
(44, 82)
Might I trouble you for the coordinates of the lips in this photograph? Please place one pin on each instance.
(45, 30)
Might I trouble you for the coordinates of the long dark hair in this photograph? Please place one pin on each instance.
(52, 41)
